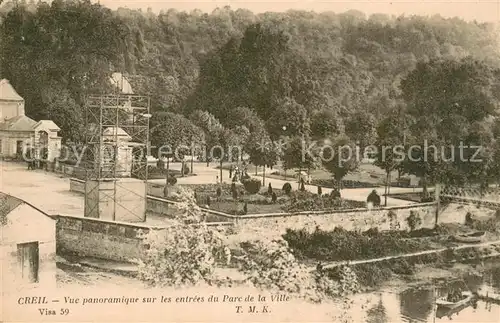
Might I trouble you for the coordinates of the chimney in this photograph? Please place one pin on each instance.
(20, 108)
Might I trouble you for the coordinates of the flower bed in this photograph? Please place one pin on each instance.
(307, 201)
(262, 202)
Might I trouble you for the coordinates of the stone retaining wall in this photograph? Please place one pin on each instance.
(359, 219)
(103, 239)
(354, 219)
(87, 237)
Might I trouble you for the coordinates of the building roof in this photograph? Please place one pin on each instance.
(111, 132)
(47, 124)
(7, 92)
(118, 80)
(19, 123)
(7, 204)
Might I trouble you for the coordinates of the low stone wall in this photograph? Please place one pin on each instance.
(88, 237)
(159, 206)
(76, 172)
(154, 189)
(77, 185)
(358, 219)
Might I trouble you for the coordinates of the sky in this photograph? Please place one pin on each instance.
(480, 10)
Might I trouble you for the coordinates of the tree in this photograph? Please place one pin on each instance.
(185, 253)
(325, 123)
(174, 136)
(60, 107)
(390, 151)
(341, 160)
(289, 118)
(297, 155)
(449, 103)
(265, 154)
(245, 117)
(213, 130)
(360, 127)
(54, 58)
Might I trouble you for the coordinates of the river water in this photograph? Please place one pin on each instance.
(417, 304)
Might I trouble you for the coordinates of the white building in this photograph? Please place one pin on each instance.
(27, 246)
(18, 131)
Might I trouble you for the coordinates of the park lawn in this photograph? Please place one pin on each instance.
(411, 196)
(366, 173)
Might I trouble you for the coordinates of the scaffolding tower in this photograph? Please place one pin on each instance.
(116, 150)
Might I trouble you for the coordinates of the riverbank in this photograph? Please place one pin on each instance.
(400, 276)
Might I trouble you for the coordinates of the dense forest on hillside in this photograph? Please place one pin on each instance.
(271, 74)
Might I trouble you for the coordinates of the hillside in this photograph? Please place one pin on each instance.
(329, 64)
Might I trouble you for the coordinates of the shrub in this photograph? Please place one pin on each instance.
(302, 195)
(252, 185)
(270, 265)
(372, 232)
(372, 274)
(469, 219)
(340, 244)
(393, 220)
(402, 267)
(335, 194)
(305, 201)
(427, 199)
(201, 249)
(491, 225)
(414, 220)
(244, 177)
(172, 180)
(287, 188)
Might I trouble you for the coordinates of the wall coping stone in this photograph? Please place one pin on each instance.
(128, 224)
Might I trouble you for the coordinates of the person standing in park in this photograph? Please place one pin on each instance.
(373, 198)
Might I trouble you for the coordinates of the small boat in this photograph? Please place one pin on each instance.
(474, 237)
(446, 312)
(445, 304)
